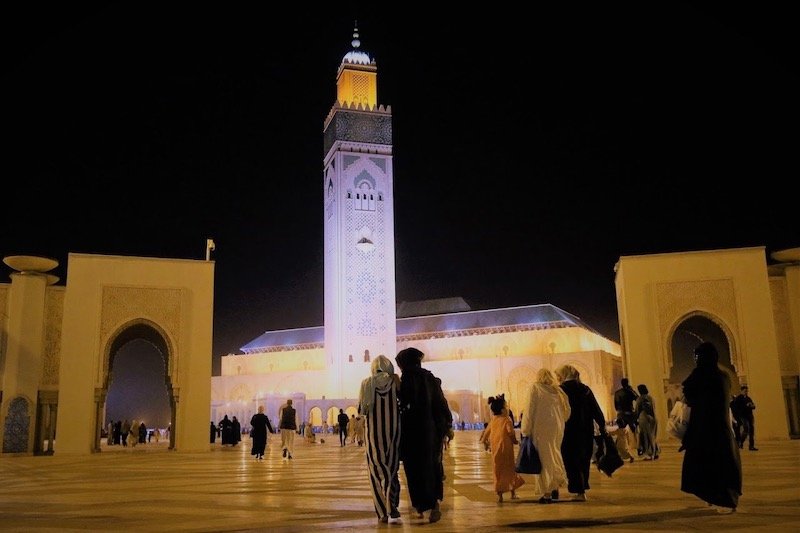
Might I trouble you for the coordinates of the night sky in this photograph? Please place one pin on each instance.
(531, 150)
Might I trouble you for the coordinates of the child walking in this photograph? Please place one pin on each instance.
(499, 435)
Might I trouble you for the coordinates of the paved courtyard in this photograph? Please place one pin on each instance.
(325, 487)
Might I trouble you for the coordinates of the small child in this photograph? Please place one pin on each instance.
(500, 436)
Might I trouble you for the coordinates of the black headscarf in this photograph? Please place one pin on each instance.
(409, 358)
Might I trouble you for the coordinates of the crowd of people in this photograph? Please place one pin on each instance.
(405, 418)
(129, 433)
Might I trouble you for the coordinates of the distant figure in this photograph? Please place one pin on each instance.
(213, 433)
(236, 431)
(110, 433)
(309, 434)
(260, 427)
(502, 438)
(142, 433)
(343, 421)
(353, 429)
(360, 429)
(378, 405)
(742, 407)
(547, 412)
(425, 421)
(125, 431)
(118, 432)
(288, 427)
(226, 430)
(325, 430)
(133, 433)
(712, 468)
(578, 443)
(648, 425)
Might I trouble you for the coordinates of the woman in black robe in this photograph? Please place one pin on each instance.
(578, 442)
(712, 468)
(426, 421)
(226, 430)
(259, 424)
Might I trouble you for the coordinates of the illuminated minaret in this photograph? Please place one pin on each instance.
(359, 226)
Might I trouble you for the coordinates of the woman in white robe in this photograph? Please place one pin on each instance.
(548, 409)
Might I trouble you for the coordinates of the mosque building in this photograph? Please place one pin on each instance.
(476, 353)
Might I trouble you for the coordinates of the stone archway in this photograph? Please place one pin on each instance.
(669, 303)
(152, 334)
(687, 334)
(110, 300)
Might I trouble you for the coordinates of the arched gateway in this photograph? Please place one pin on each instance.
(54, 390)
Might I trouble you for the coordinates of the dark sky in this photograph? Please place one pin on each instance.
(532, 149)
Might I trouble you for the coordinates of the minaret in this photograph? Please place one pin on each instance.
(360, 314)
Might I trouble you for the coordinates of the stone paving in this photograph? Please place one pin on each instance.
(325, 487)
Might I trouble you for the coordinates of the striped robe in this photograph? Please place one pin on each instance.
(382, 417)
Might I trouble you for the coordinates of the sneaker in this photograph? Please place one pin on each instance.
(579, 497)
(753, 449)
(285, 452)
(545, 499)
(395, 519)
(436, 514)
(383, 519)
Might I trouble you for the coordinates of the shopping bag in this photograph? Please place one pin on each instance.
(607, 457)
(528, 461)
(678, 419)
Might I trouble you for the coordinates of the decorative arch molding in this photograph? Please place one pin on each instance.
(137, 329)
(735, 354)
(714, 299)
(159, 306)
(520, 381)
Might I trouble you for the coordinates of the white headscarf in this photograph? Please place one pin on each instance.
(382, 378)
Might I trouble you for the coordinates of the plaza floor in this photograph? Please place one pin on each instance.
(325, 487)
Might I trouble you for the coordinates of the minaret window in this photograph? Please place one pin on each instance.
(365, 198)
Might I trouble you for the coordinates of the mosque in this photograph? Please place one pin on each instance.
(59, 343)
(476, 353)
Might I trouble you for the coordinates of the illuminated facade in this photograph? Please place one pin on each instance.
(475, 353)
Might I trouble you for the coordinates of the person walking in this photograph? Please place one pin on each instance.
(378, 405)
(426, 421)
(259, 428)
(343, 421)
(624, 400)
(712, 468)
(578, 442)
(125, 431)
(547, 412)
(288, 427)
(226, 430)
(648, 425)
(742, 408)
(213, 434)
(501, 437)
(236, 431)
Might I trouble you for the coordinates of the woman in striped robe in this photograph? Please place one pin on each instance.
(378, 404)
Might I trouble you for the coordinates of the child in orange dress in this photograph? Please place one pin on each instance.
(500, 436)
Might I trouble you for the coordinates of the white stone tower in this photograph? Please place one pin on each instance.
(360, 314)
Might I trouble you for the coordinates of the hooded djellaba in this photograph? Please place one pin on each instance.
(378, 404)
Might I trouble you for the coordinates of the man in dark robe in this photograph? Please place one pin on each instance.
(259, 425)
(425, 421)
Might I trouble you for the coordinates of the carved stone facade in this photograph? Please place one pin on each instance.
(162, 306)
